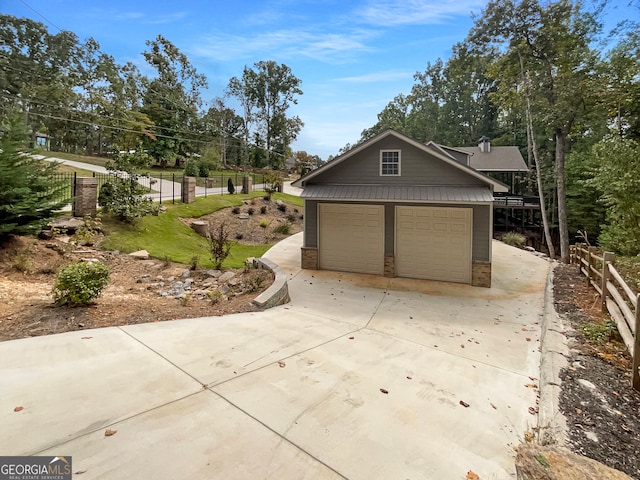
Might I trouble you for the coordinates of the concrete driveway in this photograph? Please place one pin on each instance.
(358, 377)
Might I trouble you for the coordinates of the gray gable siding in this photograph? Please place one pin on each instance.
(481, 226)
(416, 167)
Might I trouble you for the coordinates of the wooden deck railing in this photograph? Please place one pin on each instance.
(616, 298)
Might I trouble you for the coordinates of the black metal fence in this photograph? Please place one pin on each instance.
(167, 186)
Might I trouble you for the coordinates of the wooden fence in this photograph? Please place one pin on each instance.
(616, 297)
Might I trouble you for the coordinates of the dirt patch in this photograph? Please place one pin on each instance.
(28, 267)
(601, 408)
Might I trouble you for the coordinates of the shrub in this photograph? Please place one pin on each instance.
(282, 207)
(264, 224)
(236, 210)
(192, 168)
(79, 283)
(283, 229)
(251, 211)
(514, 239)
(219, 244)
(239, 236)
(292, 217)
(263, 209)
(230, 188)
(193, 263)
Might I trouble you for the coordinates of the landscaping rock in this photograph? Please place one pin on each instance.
(212, 273)
(537, 462)
(140, 255)
(226, 276)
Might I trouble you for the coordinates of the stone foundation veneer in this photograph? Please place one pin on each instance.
(389, 266)
(481, 274)
(309, 258)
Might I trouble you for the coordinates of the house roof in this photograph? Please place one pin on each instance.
(498, 159)
(407, 193)
(496, 185)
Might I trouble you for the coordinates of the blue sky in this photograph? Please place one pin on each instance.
(352, 57)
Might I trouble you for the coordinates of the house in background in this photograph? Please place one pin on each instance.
(42, 141)
(395, 207)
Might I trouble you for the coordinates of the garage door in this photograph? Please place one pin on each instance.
(351, 238)
(434, 243)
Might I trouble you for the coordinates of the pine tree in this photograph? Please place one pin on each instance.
(29, 192)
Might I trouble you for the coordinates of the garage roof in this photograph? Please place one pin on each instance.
(408, 193)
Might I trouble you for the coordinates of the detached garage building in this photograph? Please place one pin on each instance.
(395, 207)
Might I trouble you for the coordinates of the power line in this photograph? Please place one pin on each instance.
(38, 13)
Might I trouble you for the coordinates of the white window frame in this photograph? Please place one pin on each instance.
(382, 152)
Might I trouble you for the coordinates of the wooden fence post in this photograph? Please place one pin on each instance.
(590, 251)
(635, 373)
(607, 258)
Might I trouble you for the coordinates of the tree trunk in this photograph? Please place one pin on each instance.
(543, 206)
(562, 197)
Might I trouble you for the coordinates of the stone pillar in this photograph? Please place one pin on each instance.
(309, 259)
(86, 196)
(481, 274)
(188, 189)
(247, 184)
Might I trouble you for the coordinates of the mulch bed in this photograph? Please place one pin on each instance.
(601, 408)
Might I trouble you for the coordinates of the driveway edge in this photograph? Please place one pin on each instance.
(278, 292)
(554, 351)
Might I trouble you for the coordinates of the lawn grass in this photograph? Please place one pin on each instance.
(166, 237)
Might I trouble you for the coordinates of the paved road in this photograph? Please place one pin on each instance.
(165, 190)
(358, 377)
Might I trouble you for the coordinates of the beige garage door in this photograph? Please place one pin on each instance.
(434, 243)
(351, 238)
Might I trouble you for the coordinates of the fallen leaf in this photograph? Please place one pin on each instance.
(409, 378)
(18, 409)
(533, 410)
(464, 404)
(494, 407)
(385, 391)
(281, 364)
(79, 472)
(471, 475)
(625, 428)
(351, 338)
(528, 339)
(531, 385)
(533, 379)
(615, 393)
(578, 411)
(109, 433)
(85, 338)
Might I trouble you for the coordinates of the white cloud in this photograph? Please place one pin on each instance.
(414, 12)
(376, 77)
(326, 47)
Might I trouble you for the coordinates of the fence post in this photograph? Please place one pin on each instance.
(635, 373)
(590, 251)
(607, 259)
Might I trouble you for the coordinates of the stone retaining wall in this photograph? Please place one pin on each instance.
(278, 292)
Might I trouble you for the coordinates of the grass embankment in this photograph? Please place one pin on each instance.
(167, 237)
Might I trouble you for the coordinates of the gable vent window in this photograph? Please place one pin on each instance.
(390, 162)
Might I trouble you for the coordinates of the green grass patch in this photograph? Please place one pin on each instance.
(79, 171)
(100, 161)
(166, 236)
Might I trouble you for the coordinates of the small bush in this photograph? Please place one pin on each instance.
(256, 281)
(263, 209)
(239, 236)
(597, 332)
(236, 210)
(264, 224)
(514, 239)
(79, 283)
(193, 263)
(251, 211)
(219, 244)
(283, 229)
(282, 207)
(292, 217)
